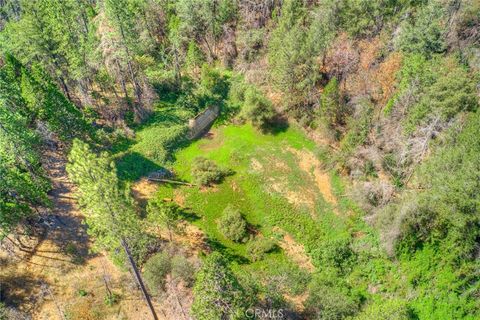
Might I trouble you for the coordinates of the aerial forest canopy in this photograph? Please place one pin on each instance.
(340, 178)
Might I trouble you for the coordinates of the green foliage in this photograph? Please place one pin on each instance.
(195, 57)
(299, 38)
(111, 299)
(232, 225)
(331, 108)
(329, 298)
(165, 263)
(163, 213)
(156, 270)
(206, 172)
(41, 100)
(24, 185)
(202, 20)
(217, 293)
(336, 253)
(55, 34)
(447, 210)
(452, 91)
(213, 86)
(109, 210)
(393, 309)
(359, 126)
(251, 42)
(425, 32)
(183, 269)
(258, 247)
(3, 311)
(288, 52)
(256, 108)
(82, 293)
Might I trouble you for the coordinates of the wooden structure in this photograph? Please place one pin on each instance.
(202, 122)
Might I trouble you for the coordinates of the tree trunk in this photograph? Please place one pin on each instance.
(138, 277)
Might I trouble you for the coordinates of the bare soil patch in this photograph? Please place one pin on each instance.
(295, 251)
(310, 164)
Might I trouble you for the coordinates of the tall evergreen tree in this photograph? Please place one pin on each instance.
(110, 213)
(23, 184)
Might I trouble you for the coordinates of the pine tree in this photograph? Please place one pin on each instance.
(23, 184)
(110, 213)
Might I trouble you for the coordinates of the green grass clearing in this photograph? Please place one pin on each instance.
(273, 193)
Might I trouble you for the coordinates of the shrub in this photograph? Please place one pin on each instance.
(206, 172)
(392, 309)
(359, 126)
(232, 225)
(250, 43)
(258, 247)
(3, 311)
(257, 109)
(217, 292)
(329, 298)
(111, 299)
(183, 269)
(451, 91)
(213, 83)
(336, 253)
(82, 293)
(425, 34)
(155, 271)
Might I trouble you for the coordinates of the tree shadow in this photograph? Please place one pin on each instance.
(188, 215)
(21, 291)
(132, 166)
(215, 245)
(276, 125)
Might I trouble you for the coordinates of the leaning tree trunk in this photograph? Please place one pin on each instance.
(138, 277)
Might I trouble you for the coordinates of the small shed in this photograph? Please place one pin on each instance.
(202, 121)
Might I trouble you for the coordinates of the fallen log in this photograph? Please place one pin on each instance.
(171, 181)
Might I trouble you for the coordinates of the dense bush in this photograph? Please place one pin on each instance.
(258, 247)
(232, 225)
(331, 110)
(330, 299)
(217, 292)
(3, 312)
(256, 108)
(394, 309)
(206, 172)
(359, 125)
(168, 262)
(183, 269)
(164, 214)
(447, 204)
(452, 90)
(155, 271)
(336, 253)
(424, 33)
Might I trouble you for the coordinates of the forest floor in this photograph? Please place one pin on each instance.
(52, 275)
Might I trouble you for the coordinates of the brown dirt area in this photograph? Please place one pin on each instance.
(310, 164)
(295, 251)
